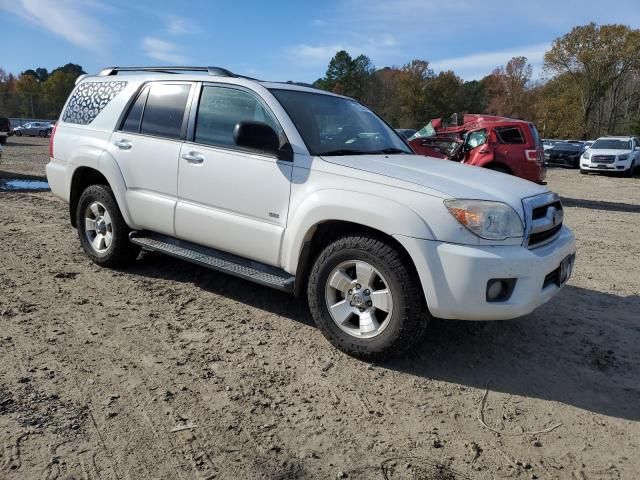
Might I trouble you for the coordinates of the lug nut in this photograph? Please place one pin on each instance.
(361, 309)
(358, 286)
(369, 303)
(351, 303)
(350, 291)
(367, 292)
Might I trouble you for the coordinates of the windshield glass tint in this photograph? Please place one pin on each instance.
(569, 147)
(611, 144)
(338, 126)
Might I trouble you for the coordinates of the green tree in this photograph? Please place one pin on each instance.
(413, 94)
(29, 87)
(348, 76)
(56, 90)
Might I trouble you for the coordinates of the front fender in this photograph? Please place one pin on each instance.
(382, 214)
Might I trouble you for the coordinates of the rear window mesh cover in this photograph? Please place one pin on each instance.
(89, 99)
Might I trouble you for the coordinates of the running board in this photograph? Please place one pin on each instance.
(215, 260)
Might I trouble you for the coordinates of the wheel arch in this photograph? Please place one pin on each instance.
(108, 174)
(323, 233)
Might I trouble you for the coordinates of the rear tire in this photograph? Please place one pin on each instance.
(103, 233)
(379, 291)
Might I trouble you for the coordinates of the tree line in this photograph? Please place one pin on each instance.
(591, 87)
(37, 93)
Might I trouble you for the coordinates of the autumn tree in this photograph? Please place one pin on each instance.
(508, 89)
(598, 61)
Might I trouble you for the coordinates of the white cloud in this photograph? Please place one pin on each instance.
(315, 55)
(179, 25)
(69, 19)
(162, 50)
(477, 65)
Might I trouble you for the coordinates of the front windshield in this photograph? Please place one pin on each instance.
(332, 125)
(570, 147)
(611, 144)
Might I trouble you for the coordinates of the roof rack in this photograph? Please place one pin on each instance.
(213, 71)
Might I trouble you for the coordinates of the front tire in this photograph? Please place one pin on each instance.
(103, 233)
(365, 298)
(629, 173)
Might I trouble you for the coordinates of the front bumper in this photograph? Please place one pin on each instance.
(454, 277)
(617, 166)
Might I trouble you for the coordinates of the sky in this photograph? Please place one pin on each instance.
(292, 40)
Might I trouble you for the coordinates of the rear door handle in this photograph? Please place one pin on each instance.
(123, 144)
(193, 157)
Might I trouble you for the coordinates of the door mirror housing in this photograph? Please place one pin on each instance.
(256, 136)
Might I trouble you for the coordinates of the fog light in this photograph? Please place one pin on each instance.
(500, 289)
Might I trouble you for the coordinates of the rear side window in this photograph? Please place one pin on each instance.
(512, 135)
(164, 111)
(132, 122)
(221, 109)
(89, 99)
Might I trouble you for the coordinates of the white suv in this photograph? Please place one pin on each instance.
(304, 191)
(612, 154)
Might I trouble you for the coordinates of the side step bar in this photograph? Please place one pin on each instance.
(215, 260)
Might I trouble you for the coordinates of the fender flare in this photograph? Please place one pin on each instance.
(102, 162)
(382, 214)
(111, 170)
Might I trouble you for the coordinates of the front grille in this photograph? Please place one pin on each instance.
(544, 215)
(540, 212)
(541, 237)
(603, 158)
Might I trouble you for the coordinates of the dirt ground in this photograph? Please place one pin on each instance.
(167, 370)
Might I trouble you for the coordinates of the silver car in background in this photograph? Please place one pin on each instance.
(41, 129)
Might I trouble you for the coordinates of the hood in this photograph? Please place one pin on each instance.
(450, 178)
(609, 151)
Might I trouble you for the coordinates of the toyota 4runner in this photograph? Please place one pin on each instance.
(303, 191)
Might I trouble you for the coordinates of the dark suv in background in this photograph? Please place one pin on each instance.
(5, 130)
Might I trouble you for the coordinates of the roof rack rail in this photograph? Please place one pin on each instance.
(214, 71)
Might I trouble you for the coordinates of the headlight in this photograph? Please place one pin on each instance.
(487, 219)
(623, 157)
(586, 155)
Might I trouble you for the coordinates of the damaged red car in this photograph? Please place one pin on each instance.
(498, 143)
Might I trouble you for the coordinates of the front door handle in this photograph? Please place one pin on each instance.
(193, 157)
(123, 144)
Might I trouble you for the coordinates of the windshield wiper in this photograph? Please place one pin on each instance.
(343, 151)
(391, 151)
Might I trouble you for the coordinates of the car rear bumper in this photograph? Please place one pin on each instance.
(455, 277)
(57, 176)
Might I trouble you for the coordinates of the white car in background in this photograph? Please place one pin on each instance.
(609, 154)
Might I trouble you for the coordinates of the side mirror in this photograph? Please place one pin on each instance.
(638, 148)
(257, 136)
